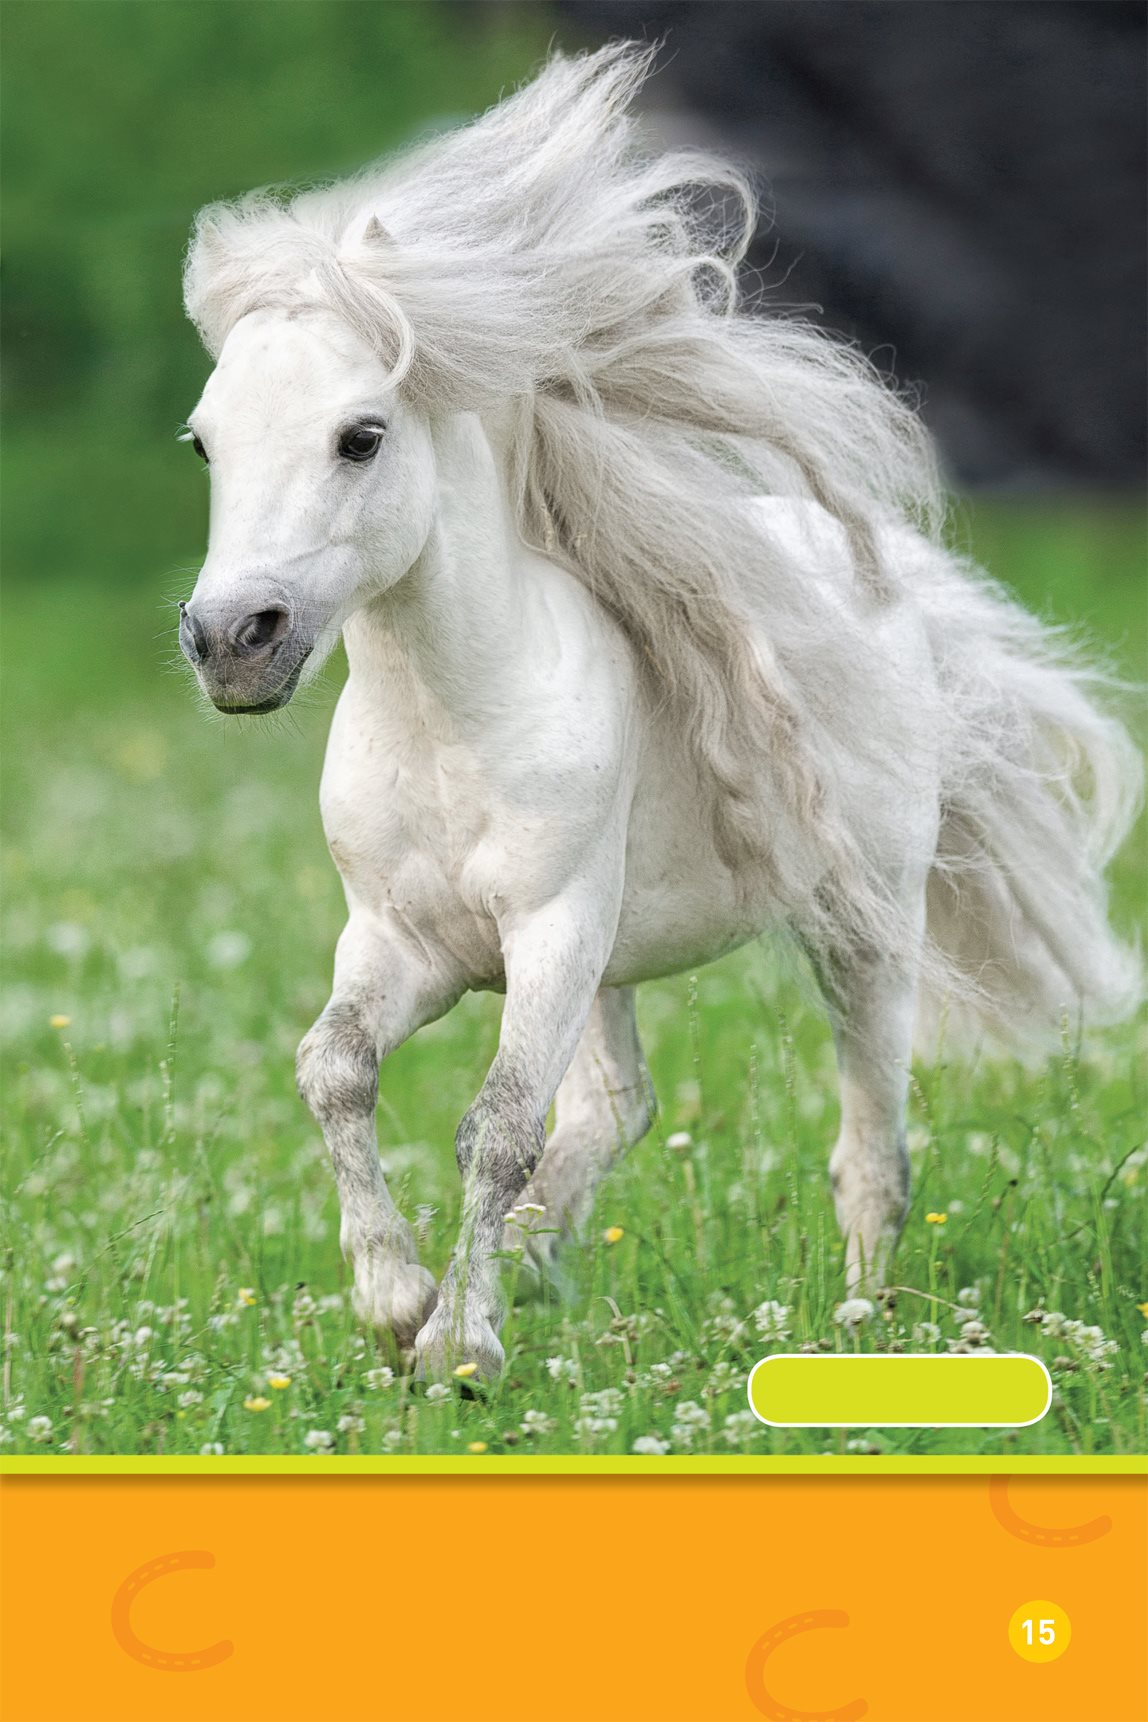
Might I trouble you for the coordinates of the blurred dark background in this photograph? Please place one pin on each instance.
(959, 184)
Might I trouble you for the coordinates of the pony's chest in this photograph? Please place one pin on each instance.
(408, 828)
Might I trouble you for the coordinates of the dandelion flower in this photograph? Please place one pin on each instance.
(614, 1234)
(853, 1312)
(247, 1295)
(476, 1446)
(279, 1382)
(59, 1021)
(256, 1403)
(1143, 1308)
(466, 1370)
(936, 1219)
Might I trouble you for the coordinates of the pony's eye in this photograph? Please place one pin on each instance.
(199, 448)
(360, 443)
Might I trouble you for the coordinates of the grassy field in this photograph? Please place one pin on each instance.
(172, 1277)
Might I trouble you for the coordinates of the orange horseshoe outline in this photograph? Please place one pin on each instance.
(764, 1701)
(172, 1661)
(1043, 1536)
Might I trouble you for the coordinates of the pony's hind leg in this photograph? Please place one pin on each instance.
(872, 1000)
(604, 1104)
(379, 999)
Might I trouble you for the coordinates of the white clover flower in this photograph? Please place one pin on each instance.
(211, 1449)
(192, 1397)
(537, 1423)
(588, 1428)
(738, 1427)
(228, 950)
(350, 1423)
(436, 1391)
(379, 1378)
(772, 1320)
(974, 1332)
(690, 1413)
(40, 1428)
(925, 1333)
(853, 1312)
(607, 1403)
(561, 1368)
(319, 1441)
(1054, 1323)
(679, 1141)
(392, 1438)
(65, 939)
(724, 1378)
(969, 1296)
(653, 1445)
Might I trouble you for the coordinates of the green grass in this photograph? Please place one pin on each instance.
(171, 1219)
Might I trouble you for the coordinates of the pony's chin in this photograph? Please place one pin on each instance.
(256, 707)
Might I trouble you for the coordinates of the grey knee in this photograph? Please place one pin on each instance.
(337, 1067)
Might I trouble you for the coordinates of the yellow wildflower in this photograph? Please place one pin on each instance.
(1143, 1308)
(936, 1219)
(614, 1234)
(279, 1381)
(476, 1446)
(465, 1369)
(247, 1295)
(59, 1021)
(255, 1403)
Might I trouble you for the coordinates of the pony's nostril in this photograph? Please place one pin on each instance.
(191, 634)
(254, 633)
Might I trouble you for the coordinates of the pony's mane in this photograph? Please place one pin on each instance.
(538, 256)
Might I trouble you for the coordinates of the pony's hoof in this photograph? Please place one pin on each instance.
(395, 1296)
(446, 1345)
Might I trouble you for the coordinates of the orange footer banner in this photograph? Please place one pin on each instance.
(574, 1599)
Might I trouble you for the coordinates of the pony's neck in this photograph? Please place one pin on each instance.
(449, 626)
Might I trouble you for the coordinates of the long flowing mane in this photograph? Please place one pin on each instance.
(539, 257)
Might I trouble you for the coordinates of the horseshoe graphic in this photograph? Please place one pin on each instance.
(1043, 1536)
(172, 1661)
(764, 1649)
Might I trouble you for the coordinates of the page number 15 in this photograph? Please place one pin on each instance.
(1039, 1630)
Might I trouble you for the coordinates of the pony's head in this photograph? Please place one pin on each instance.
(322, 488)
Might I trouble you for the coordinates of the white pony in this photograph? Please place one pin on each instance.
(651, 646)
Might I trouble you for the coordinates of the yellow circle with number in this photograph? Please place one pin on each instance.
(1040, 1631)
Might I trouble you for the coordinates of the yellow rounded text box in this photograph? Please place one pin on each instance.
(956, 1391)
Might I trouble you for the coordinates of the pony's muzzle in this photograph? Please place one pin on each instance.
(246, 661)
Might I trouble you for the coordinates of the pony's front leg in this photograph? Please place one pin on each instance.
(553, 966)
(381, 995)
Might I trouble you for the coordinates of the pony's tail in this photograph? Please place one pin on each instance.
(1042, 787)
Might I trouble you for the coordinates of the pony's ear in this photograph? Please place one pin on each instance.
(374, 233)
